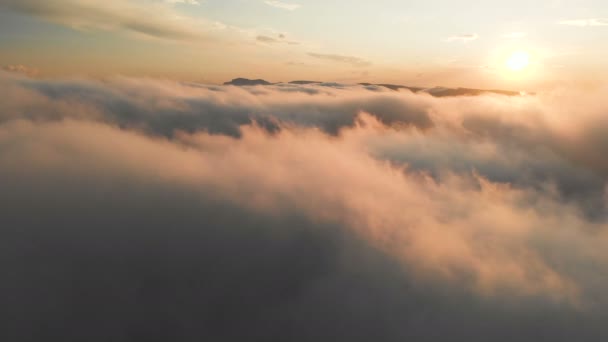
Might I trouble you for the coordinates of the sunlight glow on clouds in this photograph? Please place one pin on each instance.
(356, 181)
(478, 209)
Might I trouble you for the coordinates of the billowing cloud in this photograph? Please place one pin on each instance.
(354, 61)
(465, 38)
(585, 22)
(282, 5)
(134, 208)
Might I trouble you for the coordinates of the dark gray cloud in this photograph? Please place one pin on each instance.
(137, 210)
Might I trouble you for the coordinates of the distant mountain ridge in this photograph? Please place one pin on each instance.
(436, 91)
(304, 82)
(247, 82)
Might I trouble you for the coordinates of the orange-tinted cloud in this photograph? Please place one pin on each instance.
(287, 197)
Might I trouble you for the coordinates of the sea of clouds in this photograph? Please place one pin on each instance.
(148, 210)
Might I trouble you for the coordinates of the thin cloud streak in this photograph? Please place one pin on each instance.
(354, 61)
(189, 2)
(585, 22)
(282, 5)
(465, 38)
(271, 40)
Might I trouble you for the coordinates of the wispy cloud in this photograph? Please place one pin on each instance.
(586, 22)
(189, 2)
(463, 38)
(355, 61)
(280, 39)
(22, 69)
(266, 39)
(158, 20)
(282, 5)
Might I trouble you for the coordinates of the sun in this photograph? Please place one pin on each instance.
(518, 61)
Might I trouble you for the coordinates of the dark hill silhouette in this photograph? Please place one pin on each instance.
(247, 82)
(304, 82)
(445, 92)
(395, 87)
(437, 91)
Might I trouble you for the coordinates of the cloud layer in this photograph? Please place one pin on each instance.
(137, 209)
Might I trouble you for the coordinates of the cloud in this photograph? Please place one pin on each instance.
(266, 39)
(150, 19)
(354, 61)
(189, 2)
(143, 208)
(271, 40)
(585, 22)
(218, 112)
(297, 64)
(20, 69)
(465, 38)
(282, 5)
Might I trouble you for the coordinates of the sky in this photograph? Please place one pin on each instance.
(418, 43)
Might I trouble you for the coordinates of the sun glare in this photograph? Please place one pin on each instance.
(518, 61)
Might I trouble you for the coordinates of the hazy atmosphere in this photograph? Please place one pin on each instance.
(244, 170)
(432, 43)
